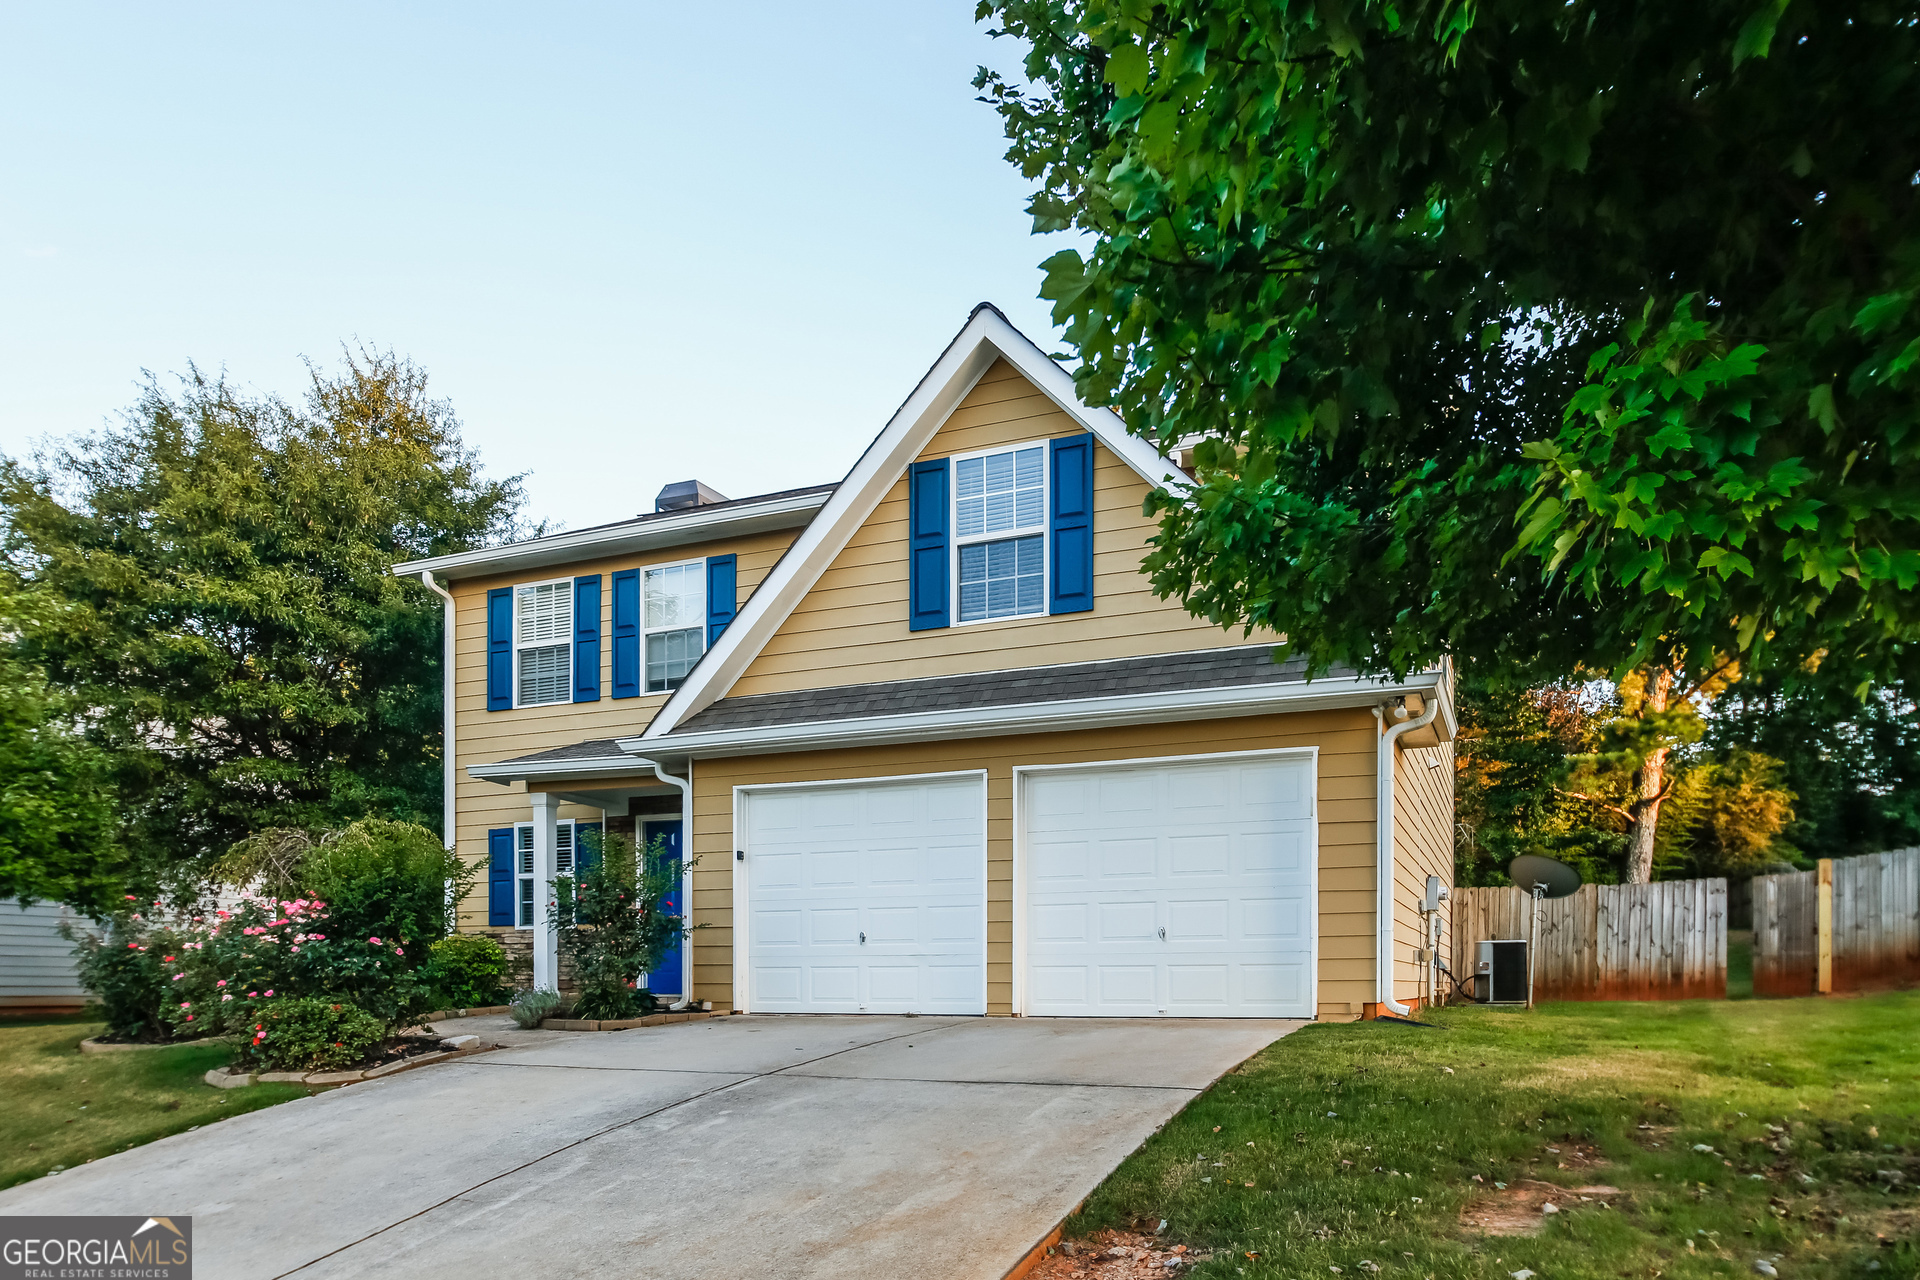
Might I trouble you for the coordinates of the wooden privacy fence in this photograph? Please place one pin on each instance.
(1665, 941)
(1851, 925)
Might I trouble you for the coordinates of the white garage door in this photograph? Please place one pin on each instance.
(1183, 890)
(867, 898)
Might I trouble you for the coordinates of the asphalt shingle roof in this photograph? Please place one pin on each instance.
(1162, 673)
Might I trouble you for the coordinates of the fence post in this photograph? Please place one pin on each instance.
(1823, 982)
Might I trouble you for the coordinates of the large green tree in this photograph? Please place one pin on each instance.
(218, 574)
(1553, 336)
(58, 837)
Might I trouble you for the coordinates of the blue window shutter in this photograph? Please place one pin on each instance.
(626, 634)
(586, 638)
(500, 649)
(723, 594)
(500, 876)
(1070, 525)
(586, 845)
(929, 555)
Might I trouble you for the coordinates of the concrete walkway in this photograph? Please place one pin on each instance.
(770, 1147)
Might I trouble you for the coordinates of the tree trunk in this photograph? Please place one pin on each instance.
(1649, 782)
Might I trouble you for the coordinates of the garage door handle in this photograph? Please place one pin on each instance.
(1163, 933)
(863, 938)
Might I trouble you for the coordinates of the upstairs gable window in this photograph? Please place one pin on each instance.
(543, 643)
(675, 622)
(1000, 533)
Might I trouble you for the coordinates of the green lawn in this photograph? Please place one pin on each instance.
(64, 1108)
(1361, 1142)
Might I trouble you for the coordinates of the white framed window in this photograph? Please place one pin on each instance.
(673, 622)
(527, 909)
(1000, 533)
(543, 643)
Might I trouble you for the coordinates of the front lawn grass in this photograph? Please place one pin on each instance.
(1360, 1143)
(63, 1107)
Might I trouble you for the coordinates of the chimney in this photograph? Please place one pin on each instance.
(682, 494)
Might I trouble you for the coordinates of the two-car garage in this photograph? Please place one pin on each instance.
(1178, 888)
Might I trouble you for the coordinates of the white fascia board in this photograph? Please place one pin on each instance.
(693, 525)
(986, 337)
(1039, 717)
(508, 771)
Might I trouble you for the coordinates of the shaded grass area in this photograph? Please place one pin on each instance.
(1739, 964)
(1361, 1142)
(63, 1107)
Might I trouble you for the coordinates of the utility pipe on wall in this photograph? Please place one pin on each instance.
(446, 707)
(686, 877)
(1383, 859)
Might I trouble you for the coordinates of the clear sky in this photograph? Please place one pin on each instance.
(633, 243)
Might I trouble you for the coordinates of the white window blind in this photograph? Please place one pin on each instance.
(523, 863)
(543, 625)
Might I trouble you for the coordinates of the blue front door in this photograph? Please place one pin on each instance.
(666, 980)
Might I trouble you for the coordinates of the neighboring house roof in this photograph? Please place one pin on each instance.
(733, 518)
(1201, 684)
(986, 337)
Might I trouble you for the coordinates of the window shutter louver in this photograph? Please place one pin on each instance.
(1070, 518)
(500, 877)
(723, 594)
(928, 556)
(586, 638)
(500, 649)
(626, 634)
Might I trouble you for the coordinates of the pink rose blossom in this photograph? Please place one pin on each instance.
(221, 983)
(374, 941)
(269, 993)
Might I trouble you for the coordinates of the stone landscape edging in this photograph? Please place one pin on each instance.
(478, 1011)
(226, 1078)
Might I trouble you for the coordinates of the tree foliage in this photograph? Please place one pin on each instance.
(1551, 336)
(217, 571)
(57, 831)
(1561, 769)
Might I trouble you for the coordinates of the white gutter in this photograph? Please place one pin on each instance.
(1034, 717)
(446, 706)
(1383, 859)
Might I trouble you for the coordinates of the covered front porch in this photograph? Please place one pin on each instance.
(575, 795)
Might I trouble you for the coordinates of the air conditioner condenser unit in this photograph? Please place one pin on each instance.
(1500, 974)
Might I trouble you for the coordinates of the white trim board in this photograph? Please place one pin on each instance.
(986, 337)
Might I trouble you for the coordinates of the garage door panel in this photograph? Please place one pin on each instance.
(1126, 859)
(903, 863)
(1195, 897)
(1062, 861)
(1200, 855)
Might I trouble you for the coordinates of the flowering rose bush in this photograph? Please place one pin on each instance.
(121, 968)
(306, 1034)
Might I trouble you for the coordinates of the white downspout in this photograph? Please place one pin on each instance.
(1383, 859)
(446, 707)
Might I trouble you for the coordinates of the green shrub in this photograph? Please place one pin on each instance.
(610, 923)
(471, 970)
(121, 968)
(309, 1034)
(529, 1007)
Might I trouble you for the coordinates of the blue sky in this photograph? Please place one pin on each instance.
(632, 243)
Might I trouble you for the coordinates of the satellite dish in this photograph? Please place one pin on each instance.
(1530, 870)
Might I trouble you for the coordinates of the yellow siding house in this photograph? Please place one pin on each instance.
(926, 742)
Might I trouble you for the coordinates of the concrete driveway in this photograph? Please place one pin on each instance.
(742, 1147)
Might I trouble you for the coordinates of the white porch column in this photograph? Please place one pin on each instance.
(546, 949)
